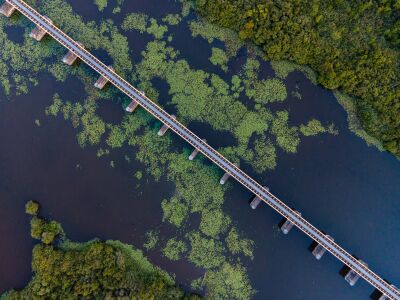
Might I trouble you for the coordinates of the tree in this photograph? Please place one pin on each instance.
(32, 208)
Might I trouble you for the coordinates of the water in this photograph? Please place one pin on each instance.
(337, 182)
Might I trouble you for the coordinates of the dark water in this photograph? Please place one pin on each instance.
(343, 187)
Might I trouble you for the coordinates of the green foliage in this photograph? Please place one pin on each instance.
(269, 90)
(174, 249)
(135, 21)
(219, 58)
(46, 231)
(95, 270)
(238, 245)
(172, 19)
(264, 155)
(214, 222)
(157, 30)
(174, 211)
(101, 4)
(313, 127)
(151, 239)
(355, 125)
(286, 137)
(104, 36)
(211, 32)
(116, 137)
(358, 56)
(138, 175)
(32, 208)
(142, 23)
(230, 281)
(205, 253)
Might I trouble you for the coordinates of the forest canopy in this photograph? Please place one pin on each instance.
(353, 45)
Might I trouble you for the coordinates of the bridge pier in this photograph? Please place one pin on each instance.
(38, 32)
(256, 200)
(102, 81)
(132, 106)
(384, 297)
(319, 250)
(288, 225)
(7, 9)
(352, 277)
(195, 152)
(70, 57)
(224, 178)
(165, 127)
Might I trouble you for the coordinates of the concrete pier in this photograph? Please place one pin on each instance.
(102, 81)
(195, 152)
(352, 277)
(384, 297)
(165, 127)
(287, 226)
(256, 200)
(132, 106)
(7, 9)
(319, 250)
(224, 178)
(38, 32)
(70, 57)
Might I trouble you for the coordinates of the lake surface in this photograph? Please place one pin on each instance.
(345, 188)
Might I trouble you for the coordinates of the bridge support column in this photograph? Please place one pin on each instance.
(256, 200)
(224, 178)
(384, 297)
(287, 226)
(38, 32)
(132, 106)
(102, 81)
(319, 250)
(7, 9)
(165, 127)
(195, 152)
(352, 277)
(70, 57)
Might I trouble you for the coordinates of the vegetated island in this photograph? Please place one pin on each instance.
(94, 270)
(353, 45)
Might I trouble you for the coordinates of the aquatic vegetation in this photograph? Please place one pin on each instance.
(152, 239)
(219, 58)
(229, 279)
(313, 127)
(287, 137)
(172, 19)
(138, 175)
(214, 222)
(205, 253)
(142, 23)
(264, 155)
(135, 21)
(101, 4)
(174, 249)
(237, 244)
(210, 32)
(175, 211)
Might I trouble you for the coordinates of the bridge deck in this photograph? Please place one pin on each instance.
(207, 150)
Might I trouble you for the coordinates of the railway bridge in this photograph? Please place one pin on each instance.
(357, 268)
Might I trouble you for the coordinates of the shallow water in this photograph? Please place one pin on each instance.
(342, 186)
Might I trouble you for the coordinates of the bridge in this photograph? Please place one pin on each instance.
(76, 50)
